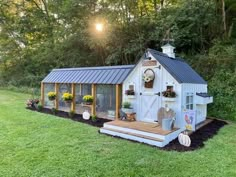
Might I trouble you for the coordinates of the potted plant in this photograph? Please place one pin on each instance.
(67, 97)
(52, 96)
(169, 95)
(88, 99)
(129, 92)
(126, 107)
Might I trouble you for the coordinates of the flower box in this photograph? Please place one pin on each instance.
(168, 99)
(131, 96)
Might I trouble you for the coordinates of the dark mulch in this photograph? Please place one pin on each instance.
(198, 137)
(76, 117)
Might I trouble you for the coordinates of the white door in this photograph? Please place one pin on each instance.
(149, 98)
(149, 107)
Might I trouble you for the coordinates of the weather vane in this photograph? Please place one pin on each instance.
(167, 37)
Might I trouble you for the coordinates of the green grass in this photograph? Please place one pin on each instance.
(36, 144)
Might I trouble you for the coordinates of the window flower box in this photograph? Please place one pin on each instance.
(168, 99)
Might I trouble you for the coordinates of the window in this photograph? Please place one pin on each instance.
(189, 101)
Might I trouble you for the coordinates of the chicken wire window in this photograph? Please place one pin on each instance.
(189, 101)
(48, 88)
(63, 88)
(80, 91)
(106, 101)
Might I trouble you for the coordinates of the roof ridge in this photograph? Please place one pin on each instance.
(95, 68)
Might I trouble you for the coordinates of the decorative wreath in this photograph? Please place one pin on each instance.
(148, 75)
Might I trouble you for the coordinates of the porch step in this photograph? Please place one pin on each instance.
(134, 131)
(133, 136)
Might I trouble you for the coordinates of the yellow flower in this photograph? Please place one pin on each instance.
(67, 96)
(88, 98)
(52, 95)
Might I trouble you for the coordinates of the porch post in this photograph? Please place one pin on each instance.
(57, 95)
(73, 94)
(42, 93)
(93, 109)
(118, 100)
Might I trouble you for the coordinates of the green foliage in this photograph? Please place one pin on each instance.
(126, 104)
(71, 113)
(54, 111)
(222, 86)
(94, 118)
(39, 107)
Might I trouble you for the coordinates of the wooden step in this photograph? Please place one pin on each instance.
(133, 134)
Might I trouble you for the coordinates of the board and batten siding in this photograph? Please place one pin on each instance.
(201, 109)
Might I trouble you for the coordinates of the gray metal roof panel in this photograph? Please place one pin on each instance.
(203, 95)
(178, 68)
(90, 75)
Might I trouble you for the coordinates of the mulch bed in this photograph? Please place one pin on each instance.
(197, 138)
(77, 117)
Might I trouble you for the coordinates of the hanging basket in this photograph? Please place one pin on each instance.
(151, 82)
(51, 98)
(68, 101)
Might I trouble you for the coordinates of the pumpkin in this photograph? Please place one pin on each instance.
(86, 115)
(184, 139)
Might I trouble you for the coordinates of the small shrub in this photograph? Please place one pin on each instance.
(126, 105)
(39, 107)
(54, 111)
(71, 113)
(94, 118)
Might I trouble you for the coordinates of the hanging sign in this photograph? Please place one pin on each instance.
(190, 120)
(149, 63)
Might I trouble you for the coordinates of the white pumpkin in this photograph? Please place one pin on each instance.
(86, 115)
(184, 139)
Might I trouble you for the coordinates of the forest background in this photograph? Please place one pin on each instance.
(39, 35)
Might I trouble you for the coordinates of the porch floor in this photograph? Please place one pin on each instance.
(142, 126)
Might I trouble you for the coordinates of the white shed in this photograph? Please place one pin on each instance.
(167, 73)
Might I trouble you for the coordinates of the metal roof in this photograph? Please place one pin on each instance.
(204, 95)
(178, 68)
(90, 75)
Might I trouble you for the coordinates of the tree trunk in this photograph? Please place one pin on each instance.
(223, 18)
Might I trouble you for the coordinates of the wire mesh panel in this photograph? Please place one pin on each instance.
(106, 101)
(62, 105)
(48, 88)
(80, 91)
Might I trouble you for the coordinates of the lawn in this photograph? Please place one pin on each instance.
(36, 144)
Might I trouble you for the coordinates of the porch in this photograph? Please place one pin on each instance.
(144, 132)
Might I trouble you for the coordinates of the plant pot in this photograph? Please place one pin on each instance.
(127, 110)
(51, 98)
(149, 84)
(68, 101)
(131, 116)
(88, 103)
(168, 99)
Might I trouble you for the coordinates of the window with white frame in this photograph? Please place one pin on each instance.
(189, 101)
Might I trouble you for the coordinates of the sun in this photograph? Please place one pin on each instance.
(99, 27)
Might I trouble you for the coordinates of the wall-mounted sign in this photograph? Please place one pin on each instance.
(190, 119)
(149, 63)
